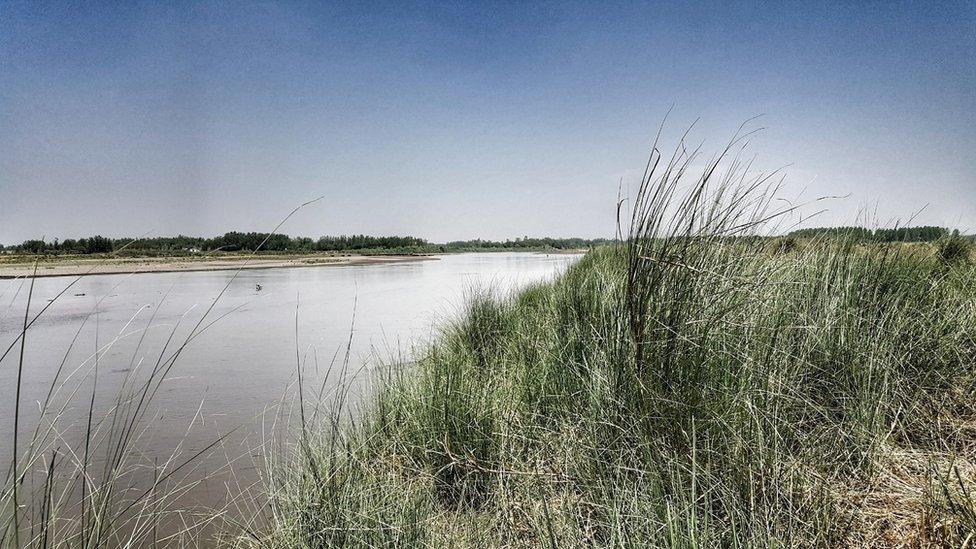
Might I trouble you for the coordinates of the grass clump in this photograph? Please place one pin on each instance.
(954, 249)
(690, 387)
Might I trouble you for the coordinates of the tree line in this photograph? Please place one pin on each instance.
(899, 234)
(249, 241)
(527, 242)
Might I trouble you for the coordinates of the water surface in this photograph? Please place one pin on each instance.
(239, 367)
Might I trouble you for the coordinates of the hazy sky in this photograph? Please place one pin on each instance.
(455, 121)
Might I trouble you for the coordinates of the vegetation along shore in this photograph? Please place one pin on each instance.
(694, 386)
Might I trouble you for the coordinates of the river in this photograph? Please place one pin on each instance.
(232, 376)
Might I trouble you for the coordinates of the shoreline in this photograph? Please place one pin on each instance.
(170, 265)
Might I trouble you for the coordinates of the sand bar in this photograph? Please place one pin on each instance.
(104, 266)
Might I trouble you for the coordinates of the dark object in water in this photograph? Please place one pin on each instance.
(257, 287)
(79, 295)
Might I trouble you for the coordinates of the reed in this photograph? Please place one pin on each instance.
(694, 386)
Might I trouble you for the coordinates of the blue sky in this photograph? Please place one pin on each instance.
(453, 121)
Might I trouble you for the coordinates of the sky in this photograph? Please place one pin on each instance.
(465, 120)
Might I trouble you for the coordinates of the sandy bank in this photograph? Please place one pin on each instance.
(75, 267)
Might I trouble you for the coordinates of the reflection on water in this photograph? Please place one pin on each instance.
(240, 366)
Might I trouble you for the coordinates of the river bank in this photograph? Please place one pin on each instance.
(75, 266)
(761, 402)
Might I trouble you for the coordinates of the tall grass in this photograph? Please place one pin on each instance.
(692, 387)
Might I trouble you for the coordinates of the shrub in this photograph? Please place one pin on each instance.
(954, 249)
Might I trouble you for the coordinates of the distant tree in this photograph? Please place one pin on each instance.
(69, 246)
(364, 242)
(900, 234)
(96, 245)
(911, 234)
(857, 233)
(302, 243)
(33, 246)
(526, 243)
